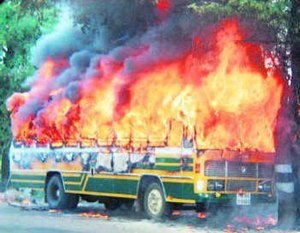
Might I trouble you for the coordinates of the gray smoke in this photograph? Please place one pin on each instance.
(104, 35)
(72, 92)
(112, 27)
(61, 43)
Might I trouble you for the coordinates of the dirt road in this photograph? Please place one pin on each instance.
(25, 220)
(93, 218)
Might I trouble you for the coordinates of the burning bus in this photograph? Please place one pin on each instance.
(150, 122)
(159, 177)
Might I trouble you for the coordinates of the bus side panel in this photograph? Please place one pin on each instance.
(179, 191)
(74, 181)
(31, 180)
(102, 185)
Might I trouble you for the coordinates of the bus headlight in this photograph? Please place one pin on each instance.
(215, 185)
(200, 185)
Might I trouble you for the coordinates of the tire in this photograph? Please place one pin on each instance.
(128, 204)
(201, 207)
(89, 198)
(112, 204)
(57, 198)
(154, 203)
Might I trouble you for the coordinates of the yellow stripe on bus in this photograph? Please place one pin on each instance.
(177, 200)
(27, 173)
(75, 182)
(103, 194)
(168, 164)
(117, 177)
(28, 181)
(65, 174)
(38, 189)
(172, 180)
(85, 182)
(171, 164)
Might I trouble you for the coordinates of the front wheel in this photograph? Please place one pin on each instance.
(57, 198)
(155, 205)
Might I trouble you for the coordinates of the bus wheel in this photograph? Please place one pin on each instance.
(155, 205)
(112, 204)
(56, 196)
(128, 204)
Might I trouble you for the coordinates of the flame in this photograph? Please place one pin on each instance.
(221, 98)
(176, 213)
(54, 211)
(202, 215)
(94, 215)
(163, 5)
(259, 222)
(26, 202)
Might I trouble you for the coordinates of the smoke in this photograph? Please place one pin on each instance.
(63, 42)
(101, 56)
(104, 34)
(72, 91)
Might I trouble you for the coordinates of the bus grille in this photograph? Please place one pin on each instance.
(265, 170)
(215, 168)
(238, 169)
(237, 185)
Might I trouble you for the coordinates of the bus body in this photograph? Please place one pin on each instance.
(156, 177)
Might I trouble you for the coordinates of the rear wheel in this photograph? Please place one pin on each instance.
(89, 198)
(127, 204)
(155, 205)
(112, 204)
(57, 198)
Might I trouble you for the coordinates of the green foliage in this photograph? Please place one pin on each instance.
(274, 14)
(21, 24)
(268, 10)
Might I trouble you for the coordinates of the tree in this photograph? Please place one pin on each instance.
(21, 24)
(294, 40)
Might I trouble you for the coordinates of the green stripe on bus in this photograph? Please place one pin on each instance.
(167, 160)
(168, 168)
(71, 178)
(145, 166)
(172, 160)
(112, 186)
(190, 160)
(27, 185)
(73, 187)
(27, 177)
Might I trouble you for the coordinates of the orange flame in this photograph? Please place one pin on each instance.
(221, 98)
(202, 215)
(94, 215)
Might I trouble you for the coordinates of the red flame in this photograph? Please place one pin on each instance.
(163, 5)
(202, 215)
(94, 215)
(224, 97)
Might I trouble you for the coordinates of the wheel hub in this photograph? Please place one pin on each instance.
(155, 201)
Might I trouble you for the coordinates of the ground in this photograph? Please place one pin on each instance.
(33, 216)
